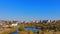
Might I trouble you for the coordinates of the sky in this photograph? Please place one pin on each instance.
(29, 10)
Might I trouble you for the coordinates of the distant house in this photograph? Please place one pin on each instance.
(14, 24)
(5, 25)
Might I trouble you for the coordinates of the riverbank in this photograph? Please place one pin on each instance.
(40, 32)
(8, 30)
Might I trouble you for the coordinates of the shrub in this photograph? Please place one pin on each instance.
(21, 28)
(31, 32)
(39, 32)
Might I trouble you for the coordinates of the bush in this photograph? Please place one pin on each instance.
(31, 32)
(21, 28)
(0, 26)
(39, 32)
(58, 28)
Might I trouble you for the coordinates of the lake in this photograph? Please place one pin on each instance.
(27, 29)
(33, 28)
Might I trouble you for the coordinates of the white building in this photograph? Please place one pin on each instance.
(14, 24)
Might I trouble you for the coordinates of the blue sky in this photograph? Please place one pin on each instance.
(29, 9)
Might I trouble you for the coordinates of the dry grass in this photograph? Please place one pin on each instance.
(23, 32)
(8, 30)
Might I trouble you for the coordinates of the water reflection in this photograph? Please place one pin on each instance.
(34, 29)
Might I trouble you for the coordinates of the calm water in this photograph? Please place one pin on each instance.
(15, 32)
(34, 29)
(28, 29)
